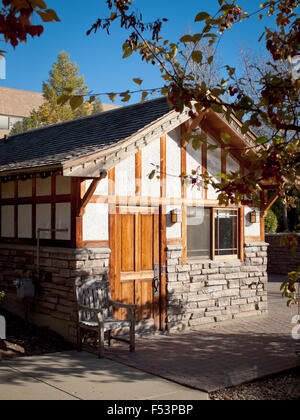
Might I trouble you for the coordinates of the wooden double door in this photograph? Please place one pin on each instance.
(136, 272)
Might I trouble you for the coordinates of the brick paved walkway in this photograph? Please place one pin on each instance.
(214, 357)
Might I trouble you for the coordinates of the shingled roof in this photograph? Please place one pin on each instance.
(64, 142)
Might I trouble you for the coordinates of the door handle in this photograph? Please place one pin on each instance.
(156, 280)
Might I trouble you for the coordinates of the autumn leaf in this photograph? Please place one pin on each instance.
(201, 16)
(48, 16)
(76, 101)
(138, 81)
(197, 56)
(112, 96)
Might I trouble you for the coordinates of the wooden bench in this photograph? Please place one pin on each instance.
(95, 313)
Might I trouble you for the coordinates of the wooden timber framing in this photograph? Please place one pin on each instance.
(185, 128)
(267, 204)
(138, 173)
(34, 199)
(162, 233)
(263, 201)
(241, 233)
(112, 231)
(204, 161)
(76, 219)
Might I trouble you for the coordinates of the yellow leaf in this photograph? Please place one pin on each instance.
(76, 101)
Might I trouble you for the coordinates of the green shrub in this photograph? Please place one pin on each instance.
(271, 222)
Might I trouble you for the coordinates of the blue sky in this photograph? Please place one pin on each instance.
(100, 57)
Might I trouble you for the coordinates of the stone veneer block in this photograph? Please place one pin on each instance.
(218, 290)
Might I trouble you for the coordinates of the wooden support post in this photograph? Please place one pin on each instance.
(163, 238)
(204, 162)
(138, 173)
(184, 129)
(242, 233)
(112, 232)
(263, 201)
(76, 220)
(269, 203)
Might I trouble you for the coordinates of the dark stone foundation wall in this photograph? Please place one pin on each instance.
(54, 304)
(215, 291)
(280, 258)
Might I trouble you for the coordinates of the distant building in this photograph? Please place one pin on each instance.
(15, 104)
(109, 107)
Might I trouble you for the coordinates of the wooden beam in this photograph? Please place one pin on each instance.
(223, 160)
(112, 232)
(76, 220)
(204, 162)
(53, 206)
(241, 226)
(163, 234)
(270, 203)
(263, 201)
(90, 192)
(33, 206)
(163, 166)
(184, 128)
(138, 173)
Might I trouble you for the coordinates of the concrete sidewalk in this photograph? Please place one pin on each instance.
(82, 376)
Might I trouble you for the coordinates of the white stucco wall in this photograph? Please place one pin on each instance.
(63, 185)
(232, 165)
(25, 221)
(95, 222)
(43, 187)
(43, 219)
(150, 157)
(63, 220)
(8, 221)
(173, 164)
(214, 166)
(174, 231)
(8, 189)
(25, 188)
(102, 188)
(251, 229)
(193, 162)
(125, 177)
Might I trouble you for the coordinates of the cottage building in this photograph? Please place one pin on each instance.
(83, 188)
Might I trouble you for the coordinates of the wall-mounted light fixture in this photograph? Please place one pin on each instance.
(254, 216)
(176, 216)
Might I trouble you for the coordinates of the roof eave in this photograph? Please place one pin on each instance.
(91, 166)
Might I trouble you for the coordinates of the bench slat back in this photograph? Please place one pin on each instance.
(94, 294)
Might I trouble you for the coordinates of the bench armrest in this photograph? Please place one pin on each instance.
(98, 312)
(88, 309)
(123, 305)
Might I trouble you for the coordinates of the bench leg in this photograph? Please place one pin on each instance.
(132, 336)
(79, 339)
(109, 338)
(101, 342)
